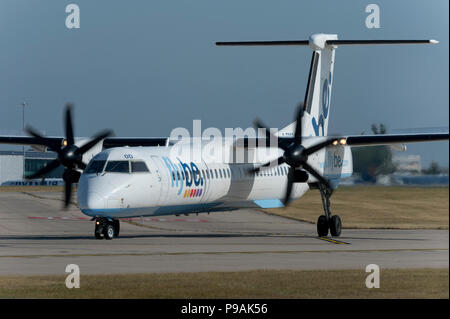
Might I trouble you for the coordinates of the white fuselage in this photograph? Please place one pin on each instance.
(173, 181)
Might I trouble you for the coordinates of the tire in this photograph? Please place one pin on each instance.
(108, 231)
(98, 232)
(335, 226)
(98, 235)
(322, 226)
(116, 225)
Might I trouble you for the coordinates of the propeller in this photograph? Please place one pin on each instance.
(295, 155)
(69, 155)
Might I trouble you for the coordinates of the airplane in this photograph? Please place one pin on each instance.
(136, 177)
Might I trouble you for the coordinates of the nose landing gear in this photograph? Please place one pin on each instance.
(106, 228)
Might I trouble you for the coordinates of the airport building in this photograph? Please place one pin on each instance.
(12, 165)
(407, 163)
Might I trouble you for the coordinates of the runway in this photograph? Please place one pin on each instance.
(38, 237)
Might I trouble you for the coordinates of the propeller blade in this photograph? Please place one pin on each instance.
(290, 182)
(280, 160)
(46, 169)
(319, 177)
(69, 127)
(67, 193)
(33, 132)
(81, 165)
(97, 138)
(258, 124)
(318, 146)
(40, 139)
(298, 125)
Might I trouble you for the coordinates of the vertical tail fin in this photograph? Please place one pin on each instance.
(318, 93)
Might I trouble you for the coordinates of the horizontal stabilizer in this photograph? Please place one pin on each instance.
(327, 42)
(372, 42)
(258, 43)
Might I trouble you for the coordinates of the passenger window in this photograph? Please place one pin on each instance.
(138, 167)
(215, 171)
(95, 167)
(118, 167)
(220, 173)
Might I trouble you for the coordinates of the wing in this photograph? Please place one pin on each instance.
(353, 140)
(28, 140)
(108, 142)
(392, 139)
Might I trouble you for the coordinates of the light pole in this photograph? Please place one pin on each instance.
(23, 105)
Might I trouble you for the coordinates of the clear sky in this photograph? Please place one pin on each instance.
(145, 67)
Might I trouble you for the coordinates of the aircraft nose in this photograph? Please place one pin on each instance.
(94, 201)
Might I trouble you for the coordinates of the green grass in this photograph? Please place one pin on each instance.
(401, 283)
(377, 207)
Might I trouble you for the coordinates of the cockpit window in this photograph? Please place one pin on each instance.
(118, 167)
(139, 166)
(95, 167)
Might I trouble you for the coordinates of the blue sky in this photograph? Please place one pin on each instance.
(145, 67)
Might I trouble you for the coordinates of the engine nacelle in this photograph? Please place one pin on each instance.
(300, 176)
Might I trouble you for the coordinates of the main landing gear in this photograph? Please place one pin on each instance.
(325, 222)
(106, 228)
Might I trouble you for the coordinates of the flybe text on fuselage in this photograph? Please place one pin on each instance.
(185, 175)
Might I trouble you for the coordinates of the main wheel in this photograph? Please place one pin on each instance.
(335, 226)
(116, 225)
(98, 231)
(98, 235)
(322, 226)
(108, 231)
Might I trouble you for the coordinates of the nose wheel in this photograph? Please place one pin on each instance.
(327, 222)
(106, 228)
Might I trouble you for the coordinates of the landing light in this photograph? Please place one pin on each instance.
(342, 141)
(64, 143)
(335, 142)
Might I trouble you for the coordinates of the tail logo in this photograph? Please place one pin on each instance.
(324, 112)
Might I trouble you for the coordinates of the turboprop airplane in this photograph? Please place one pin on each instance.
(133, 177)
